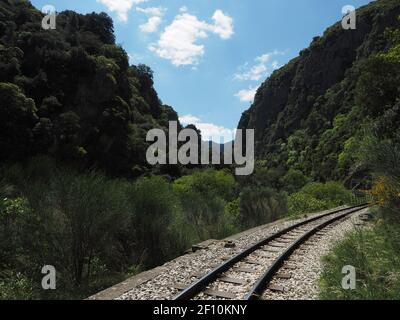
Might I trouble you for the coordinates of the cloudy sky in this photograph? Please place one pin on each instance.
(210, 56)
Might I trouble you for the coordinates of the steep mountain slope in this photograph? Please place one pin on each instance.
(306, 113)
(70, 93)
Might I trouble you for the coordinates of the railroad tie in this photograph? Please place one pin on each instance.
(276, 288)
(179, 286)
(284, 240)
(290, 267)
(197, 275)
(220, 294)
(284, 276)
(233, 280)
(296, 235)
(288, 239)
(255, 262)
(277, 245)
(309, 244)
(264, 255)
(245, 270)
(271, 250)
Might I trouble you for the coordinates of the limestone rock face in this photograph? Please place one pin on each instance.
(286, 98)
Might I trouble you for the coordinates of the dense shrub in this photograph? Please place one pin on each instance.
(382, 156)
(318, 196)
(333, 192)
(69, 220)
(96, 231)
(16, 286)
(294, 180)
(154, 209)
(260, 205)
(302, 203)
(204, 196)
(13, 212)
(208, 182)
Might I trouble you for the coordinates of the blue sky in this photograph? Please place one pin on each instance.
(209, 56)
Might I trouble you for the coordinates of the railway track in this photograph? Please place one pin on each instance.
(248, 274)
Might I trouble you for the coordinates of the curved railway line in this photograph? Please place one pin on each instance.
(249, 273)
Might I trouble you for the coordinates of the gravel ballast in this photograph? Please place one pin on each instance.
(303, 283)
(164, 282)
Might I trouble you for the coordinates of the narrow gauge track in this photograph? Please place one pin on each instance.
(270, 252)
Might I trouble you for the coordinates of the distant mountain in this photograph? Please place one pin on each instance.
(308, 112)
(71, 94)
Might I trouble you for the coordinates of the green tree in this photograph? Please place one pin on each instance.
(294, 180)
(260, 205)
(153, 208)
(18, 116)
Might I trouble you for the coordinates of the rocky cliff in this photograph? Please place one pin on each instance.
(304, 97)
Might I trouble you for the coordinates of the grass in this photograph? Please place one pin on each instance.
(375, 253)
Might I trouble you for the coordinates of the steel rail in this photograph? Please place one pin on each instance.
(195, 288)
(262, 283)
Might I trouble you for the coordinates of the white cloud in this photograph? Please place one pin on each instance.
(153, 11)
(223, 25)
(209, 131)
(189, 119)
(262, 67)
(154, 21)
(246, 95)
(179, 41)
(151, 25)
(218, 134)
(121, 7)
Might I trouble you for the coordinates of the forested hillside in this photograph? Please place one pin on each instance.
(70, 93)
(74, 115)
(311, 115)
(76, 191)
(333, 113)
